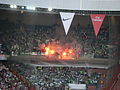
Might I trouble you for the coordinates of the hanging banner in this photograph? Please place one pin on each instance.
(97, 20)
(66, 20)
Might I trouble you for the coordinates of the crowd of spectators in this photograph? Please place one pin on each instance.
(22, 38)
(9, 81)
(91, 45)
(56, 78)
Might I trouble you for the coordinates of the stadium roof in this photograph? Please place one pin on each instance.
(98, 5)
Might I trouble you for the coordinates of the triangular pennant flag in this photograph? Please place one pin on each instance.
(97, 20)
(66, 20)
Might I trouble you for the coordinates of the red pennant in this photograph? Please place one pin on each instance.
(97, 20)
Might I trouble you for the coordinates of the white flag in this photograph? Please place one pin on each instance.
(66, 20)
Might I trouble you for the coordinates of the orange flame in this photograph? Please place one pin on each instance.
(64, 53)
(46, 53)
(70, 51)
(47, 49)
(52, 51)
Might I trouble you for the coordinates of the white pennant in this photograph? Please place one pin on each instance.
(66, 20)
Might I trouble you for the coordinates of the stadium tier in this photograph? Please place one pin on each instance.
(58, 49)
